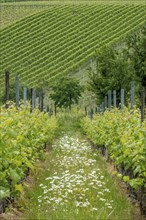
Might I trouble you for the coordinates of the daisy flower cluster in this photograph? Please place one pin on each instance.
(77, 179)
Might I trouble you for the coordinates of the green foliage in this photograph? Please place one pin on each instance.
(137, 54)
(22, 142)
(125, 139)
(66, 91)
(69, 121)
(113, 72)
(118, 66)
(62, 38)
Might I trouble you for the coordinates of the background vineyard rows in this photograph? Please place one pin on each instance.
(10, 14)
(63, 37)
(74, 1)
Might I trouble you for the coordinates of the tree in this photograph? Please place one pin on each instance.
(65, 92)
(113, 72)
(137, 54)
(117, 66)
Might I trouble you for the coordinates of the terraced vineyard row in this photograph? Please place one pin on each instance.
(62, 38)
(46, 2)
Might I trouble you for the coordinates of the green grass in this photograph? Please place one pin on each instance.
(69, 121)
(110, 204)
(63, 38)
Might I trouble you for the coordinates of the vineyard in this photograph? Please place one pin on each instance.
(125, 140)
(62, 38)
(122, 139)
(73, 174)
(86, 159)
(11, 14)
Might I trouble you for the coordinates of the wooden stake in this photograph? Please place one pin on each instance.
(142, 104)
(17, 91)
(7, 88)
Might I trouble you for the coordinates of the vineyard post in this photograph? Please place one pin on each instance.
(42, 101)
(25, 95)
(17, 91)
(132, 94)
(109, 99)
(7, 87)
(103, 106)
(122, 99)
(142, 104)
(100, 108)
(33, 98)
(39, 101)
(91, 113)
(31, 94)
(105, 102)
(114, 97)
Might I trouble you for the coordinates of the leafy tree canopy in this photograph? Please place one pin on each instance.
(116, 67)
(66, 91)
(137, 54)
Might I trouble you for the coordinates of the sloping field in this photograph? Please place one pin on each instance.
(12, 11)
(74, 1)
(63, 37)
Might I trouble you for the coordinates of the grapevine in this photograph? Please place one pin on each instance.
(21, 145)
(125, 139)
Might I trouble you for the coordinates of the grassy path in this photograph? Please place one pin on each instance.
(76, 186)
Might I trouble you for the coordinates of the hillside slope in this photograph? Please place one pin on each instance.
(62, 38)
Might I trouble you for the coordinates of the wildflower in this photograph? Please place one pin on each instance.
(102, 199)
(48, 178)
(106, 190)
(78, 204)
(110, 207)
(45, 191)
(107, 204)
(102, 177)
(94, 209)
(100, 193)
(44, 187)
